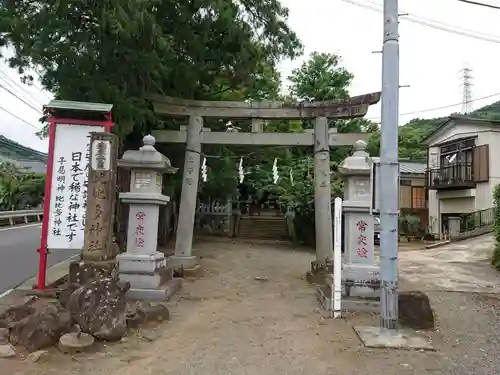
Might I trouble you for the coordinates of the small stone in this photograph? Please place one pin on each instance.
(158, 313)
(145, 312)
(7, 351)
(36, 356)
(75, 342)
(29, 299)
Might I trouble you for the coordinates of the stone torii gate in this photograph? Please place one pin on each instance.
(322, 138)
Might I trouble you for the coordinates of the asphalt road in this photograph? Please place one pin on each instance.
(18, 255)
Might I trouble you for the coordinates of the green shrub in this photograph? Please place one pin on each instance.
(496, 227)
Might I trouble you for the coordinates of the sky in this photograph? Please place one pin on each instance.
(431, 60)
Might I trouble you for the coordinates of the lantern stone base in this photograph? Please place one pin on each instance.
(147, 280)
(360, 288)
(148, 275)
(359, 280)
(141, 263)
(163, 293)
(351, 304)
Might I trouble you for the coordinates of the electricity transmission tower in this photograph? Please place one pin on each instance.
(466, 84)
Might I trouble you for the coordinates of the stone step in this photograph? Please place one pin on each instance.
(262, 218)
(261, 229)
(264, 228)
(264, 236)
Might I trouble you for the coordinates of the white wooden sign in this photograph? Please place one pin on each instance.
(101, 155)
(337, 260)
(68, 197)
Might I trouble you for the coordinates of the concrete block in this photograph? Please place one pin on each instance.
(375, 337)
(352, 304)
(163, 293)
(142, 281)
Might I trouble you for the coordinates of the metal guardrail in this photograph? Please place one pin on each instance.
(13, 216)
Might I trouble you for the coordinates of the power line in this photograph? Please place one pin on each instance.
(480, 4)
(21, 99)
(12, 86)
(19, 118)
(434, 24)
(440, 23)
(442, 107)
(26, 94)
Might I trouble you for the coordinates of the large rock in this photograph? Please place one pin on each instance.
(41, 329)
(415, 310)
(99, 308)
(15, 314)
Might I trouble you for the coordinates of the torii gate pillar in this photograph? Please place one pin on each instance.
(322, 191)
(190, 178)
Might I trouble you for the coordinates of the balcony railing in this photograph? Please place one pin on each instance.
(474, 221)
(455, 176)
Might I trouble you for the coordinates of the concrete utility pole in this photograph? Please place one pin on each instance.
(389, 169)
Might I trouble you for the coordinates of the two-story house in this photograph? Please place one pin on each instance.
(412, 189)
(460, 176)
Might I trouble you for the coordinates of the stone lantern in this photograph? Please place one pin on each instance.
(142, 265)
(359, 254)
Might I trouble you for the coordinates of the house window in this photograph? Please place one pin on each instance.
(418, 197)
(459, 152)
(405, 196)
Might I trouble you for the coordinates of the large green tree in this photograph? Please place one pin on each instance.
(121, 51)
(320, 78)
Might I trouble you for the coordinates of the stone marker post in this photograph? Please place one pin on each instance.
(359, 254)
(143, 266)
(98, 240)
(99, 250)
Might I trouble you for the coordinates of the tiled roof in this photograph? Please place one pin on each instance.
(410, 167)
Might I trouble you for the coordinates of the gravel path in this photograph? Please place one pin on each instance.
(470, 327)
(228, 322)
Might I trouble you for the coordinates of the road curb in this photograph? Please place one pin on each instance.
(23, 293)
(55, 274)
